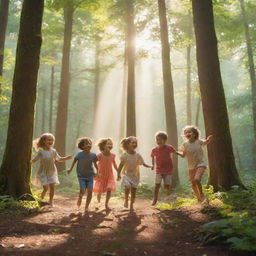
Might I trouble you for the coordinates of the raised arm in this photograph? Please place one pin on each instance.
(207, 140)
(72, 166)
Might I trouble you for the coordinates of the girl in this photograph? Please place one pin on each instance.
(193, 151)
(47, 174)
(105, 182)
(130, 162)
(85, 160)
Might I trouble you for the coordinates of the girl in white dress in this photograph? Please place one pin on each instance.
(47, 175)
(129, 165)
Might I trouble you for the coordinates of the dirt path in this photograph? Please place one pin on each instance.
(64, 231)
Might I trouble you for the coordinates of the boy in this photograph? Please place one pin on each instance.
(162, 163)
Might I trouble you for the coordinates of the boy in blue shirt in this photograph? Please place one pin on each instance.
(85, 172)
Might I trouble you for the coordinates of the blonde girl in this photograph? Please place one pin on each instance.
(192, 149)
(105, 182)
(129, 165)
(47, 174)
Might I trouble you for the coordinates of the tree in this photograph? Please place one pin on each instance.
(62, 110)
(170, 112)
(16, 168)
(4, 7)
(130, 51)
(223, 172)
(250, 64)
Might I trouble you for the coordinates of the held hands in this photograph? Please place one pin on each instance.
(69, 157)
(69, 171)
(118, 178)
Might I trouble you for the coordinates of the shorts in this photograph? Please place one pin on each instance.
(197, 173)
(130, 181)
(86, 182)
(167, 178)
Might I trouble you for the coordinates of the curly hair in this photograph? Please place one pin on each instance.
(40, 142)
(161, 134)
(82, 141)
(194, 130)
(126, 141)
(102, 143)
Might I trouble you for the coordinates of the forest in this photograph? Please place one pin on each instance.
(73, 72)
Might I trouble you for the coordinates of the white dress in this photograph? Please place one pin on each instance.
(47, 172)
(131, 169)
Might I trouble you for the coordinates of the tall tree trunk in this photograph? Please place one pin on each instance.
(62, 110)
(251, 70)
(189, 105)
(16, 168)
(51, 99)
(131, 34)
(223, 172)
(170, 112)
(198, 111)
(4, 8)
(44, 110)
(96, 79)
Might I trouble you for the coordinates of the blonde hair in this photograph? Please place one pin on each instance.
(193, 128)
(126, 141)
(40, 142)
(102, 143)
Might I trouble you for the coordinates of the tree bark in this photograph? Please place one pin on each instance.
(251, 69)
(16, 168)
(51, 100)
(62, 110)
(198, 112)
(223, 172)
(170, 112)
(44, 110)
(131, 34)
(4, 8)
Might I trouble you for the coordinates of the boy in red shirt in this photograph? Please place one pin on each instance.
(162, 163)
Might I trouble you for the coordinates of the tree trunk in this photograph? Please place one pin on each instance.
(189, 105)
(44, 110)
(223, 172)
(4, 8)
(62, 110)
(51, 100)
(251, 70)
(198, 112)
(16, 168)
(170, 112)
(131, 34)
(96, 79)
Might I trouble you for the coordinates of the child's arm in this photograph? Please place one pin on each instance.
(115, 165)
(33, 160)
(180, 153)
(119, 169)
(96, 167)
(62, 159)
(153, 163)
(208, 140)
(148, 166)
(72, 165)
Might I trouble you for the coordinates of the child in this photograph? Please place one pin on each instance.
(193, 151)
(84, 169)
(105, 181)
(130, 162)
(47, 174)
(162, 159)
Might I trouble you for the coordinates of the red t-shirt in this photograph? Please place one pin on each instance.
(163, 159)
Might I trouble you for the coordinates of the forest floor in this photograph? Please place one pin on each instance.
(62, 230)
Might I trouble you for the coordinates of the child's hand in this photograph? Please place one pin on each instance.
(152, 167)
(69, 171)
(69, 157)
(210, 137)
(118, 178)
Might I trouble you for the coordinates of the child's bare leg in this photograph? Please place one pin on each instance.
(88, 199)
(80, 197)
(52, 190)
(126, 195)
(167, 188)
(156, 192)
(108, 195)
(98, 197)
(133, 197)
(45, 189)
(195, 189)
(200, 190)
